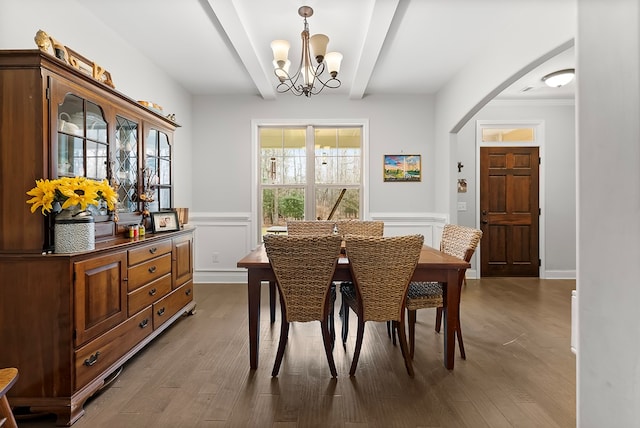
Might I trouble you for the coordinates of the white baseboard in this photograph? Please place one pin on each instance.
(560, 274)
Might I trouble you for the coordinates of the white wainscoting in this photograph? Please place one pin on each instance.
(221, 239)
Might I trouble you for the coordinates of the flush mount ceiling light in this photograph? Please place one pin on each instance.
(559, 78)
(308, 79)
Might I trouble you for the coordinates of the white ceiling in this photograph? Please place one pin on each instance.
(389, 46)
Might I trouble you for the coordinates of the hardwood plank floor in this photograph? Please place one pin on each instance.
(519, 370)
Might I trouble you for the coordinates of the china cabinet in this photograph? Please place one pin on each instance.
(56, 122)
(69, 322)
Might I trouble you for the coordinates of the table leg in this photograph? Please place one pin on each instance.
(253, 286)
(272, 301)
(451, 314)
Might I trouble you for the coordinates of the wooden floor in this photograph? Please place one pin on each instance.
(519, 370)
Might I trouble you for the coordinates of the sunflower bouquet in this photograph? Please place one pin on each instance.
(71, 192)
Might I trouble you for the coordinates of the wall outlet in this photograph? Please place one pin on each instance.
(462, 206)
(215, 257)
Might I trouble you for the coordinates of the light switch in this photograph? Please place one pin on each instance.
(462, 206)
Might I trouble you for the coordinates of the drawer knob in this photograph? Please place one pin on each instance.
(92, 359)
(144, 323)
(187, 291)
(160, 311)
(153, 250)
(152, 269)
(152, 292)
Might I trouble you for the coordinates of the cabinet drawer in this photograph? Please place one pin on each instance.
(171, 304)
(147, 252)
(96, 356)
(143, 273)
(146, 295)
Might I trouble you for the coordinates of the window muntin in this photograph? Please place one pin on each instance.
(289, 156)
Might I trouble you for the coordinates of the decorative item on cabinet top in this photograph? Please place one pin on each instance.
(51, 46)
(69, 198)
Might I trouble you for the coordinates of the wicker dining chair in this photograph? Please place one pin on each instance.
(310, 227)
(301, 228)
(381, 268)
(458, 241)
(304, 267)
(360, 228)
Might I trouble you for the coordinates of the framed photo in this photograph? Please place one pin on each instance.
(402, 168)
(164, 221)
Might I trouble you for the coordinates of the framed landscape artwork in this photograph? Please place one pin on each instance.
(402, 168)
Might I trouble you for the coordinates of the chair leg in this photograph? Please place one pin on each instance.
(356, 352)
(332, 323)
(344, 310)
(284, 335)
(5, 413)
(458, 332)
(460, 343)
(438, 319)
(328, 347)
(391, 332)
(272, 300)
(411, 315)
(402, 338)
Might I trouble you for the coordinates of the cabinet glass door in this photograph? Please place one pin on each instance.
(158, 169)
(82, 139)
(125, 164)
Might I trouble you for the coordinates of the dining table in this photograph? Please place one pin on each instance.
(433, 265)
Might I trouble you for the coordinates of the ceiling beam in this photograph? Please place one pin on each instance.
(379, 24)
(230, 21)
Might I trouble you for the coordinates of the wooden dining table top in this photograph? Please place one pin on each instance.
(429, 257)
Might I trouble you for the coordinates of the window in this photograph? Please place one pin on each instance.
(306, 172)
(508, 135)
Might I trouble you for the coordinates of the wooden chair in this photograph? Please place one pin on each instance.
(304, 267)
(360, 228)
(381, 268)
(458, 241)
(8, 377)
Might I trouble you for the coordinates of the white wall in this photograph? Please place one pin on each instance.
(223, 160)
(132, 73)
(559, 207)
(608, 155)
(481, 81)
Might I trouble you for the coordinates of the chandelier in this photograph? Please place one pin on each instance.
(307, 80)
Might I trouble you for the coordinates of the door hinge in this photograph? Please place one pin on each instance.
(47, 93)
(539, 262)
(539, 211)
(539, 161)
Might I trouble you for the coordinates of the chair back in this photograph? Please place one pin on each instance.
(382, 268)
(360, 227)
(304, 267)
(310, 227)
(460, 241)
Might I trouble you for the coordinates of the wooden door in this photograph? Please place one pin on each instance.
(509, 211)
